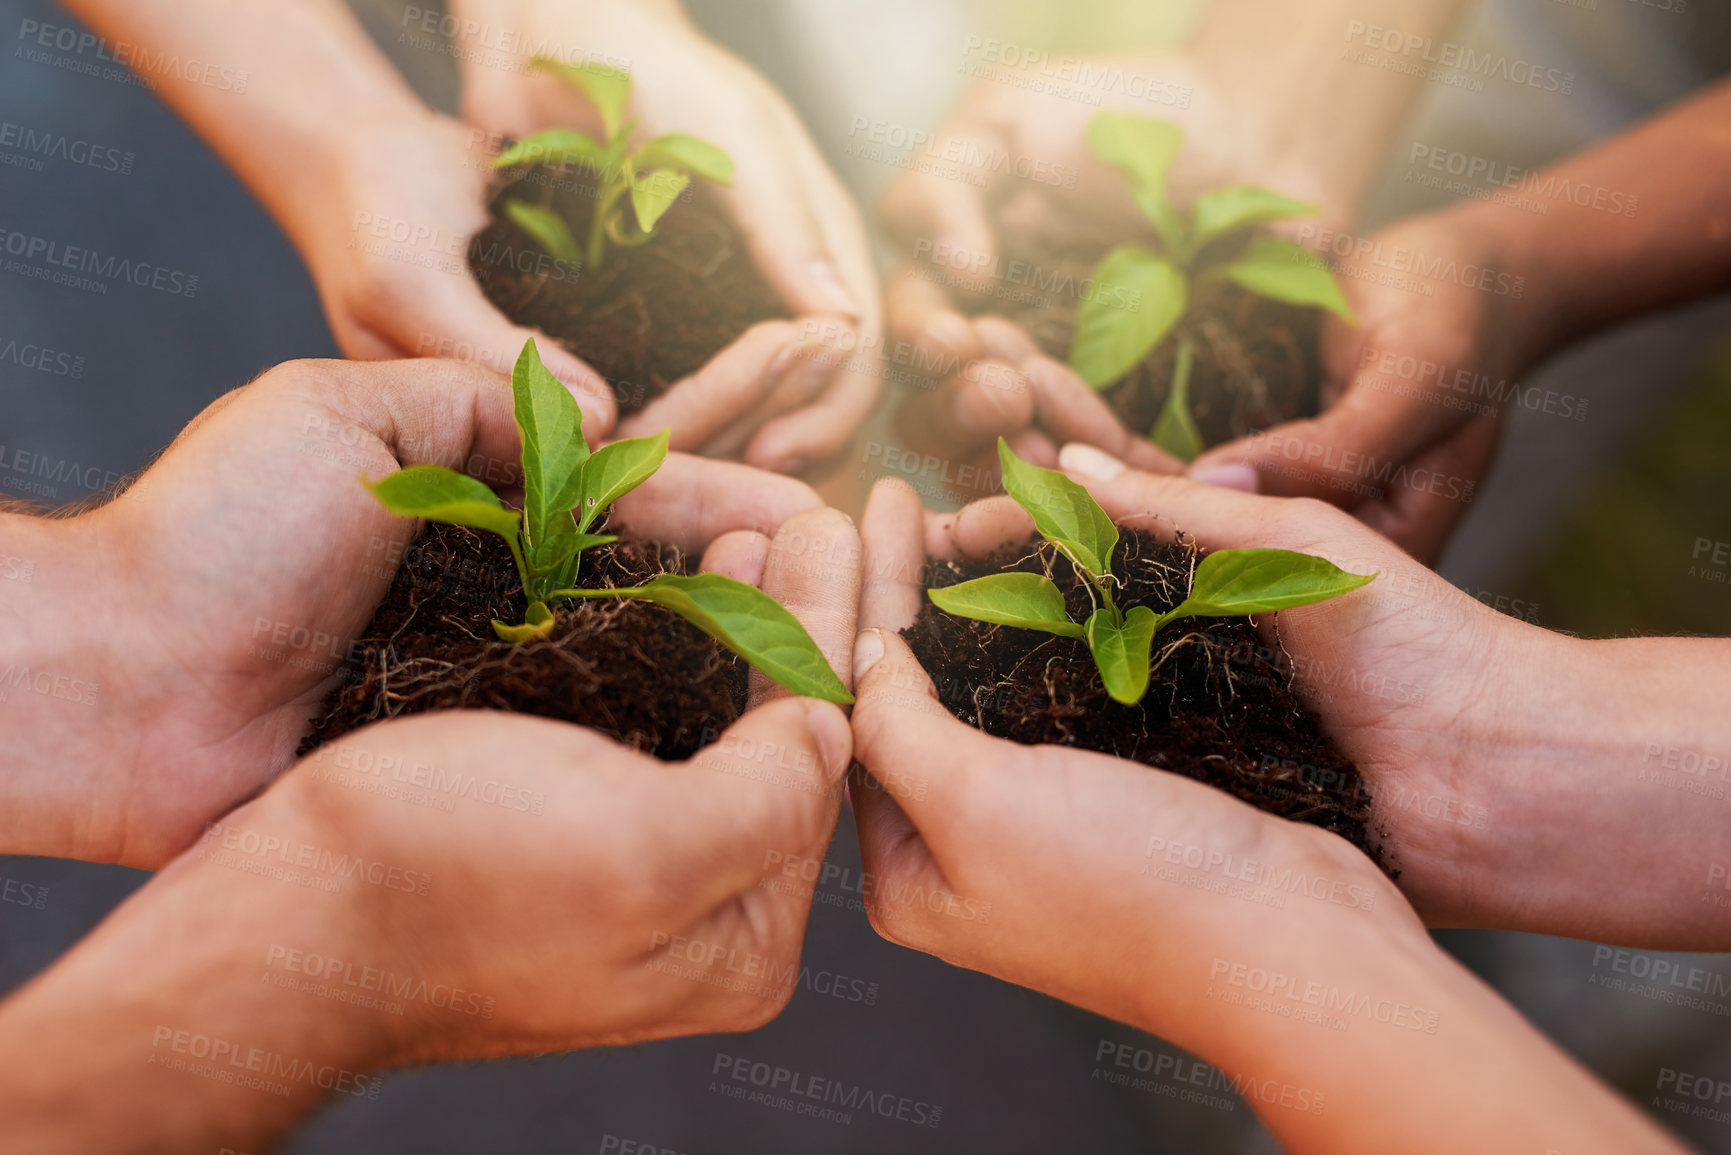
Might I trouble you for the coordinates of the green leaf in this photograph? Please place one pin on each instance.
(562, 547)
(608, 89)
(537, 623)
(1168, 225)
(553, 447)
(654, 192)
(1064, 513)
(1175, 431)
(1283, 271)
(1111, 340)
(1233, 583)
(1231, 209)
(1122, 652)
(687, 154)
(613, 471)
(1027, 601)
(1139, 145)
(745, 620)
(444, 495)
(546, 228)
(555, 146)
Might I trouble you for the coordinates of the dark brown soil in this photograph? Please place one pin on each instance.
(634, 671)
(1256, 359)
(651, 314)
(1221, 707)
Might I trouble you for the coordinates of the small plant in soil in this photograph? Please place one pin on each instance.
(1228, 583)
(653, 175)
(566, 491)
(648, 278)
(1216, 243)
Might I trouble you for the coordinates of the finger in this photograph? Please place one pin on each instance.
(696, 409)
(691, 501)
(968, 411)
(813, 570)
(933, 215)
(1067, 408)
(739, 555)
(770, 784)
(426, 412)
(893, 555)
(1420, 515)
(803, 440)
(919, 311)
(1005, 341)
(453, 313)
(838, 218)
(984, 527)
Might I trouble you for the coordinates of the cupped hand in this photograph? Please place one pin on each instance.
(1415, 394)
(802, 227)
(222, 593)
(958, 231)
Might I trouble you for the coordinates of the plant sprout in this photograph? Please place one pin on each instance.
(654, 175)
(566, 489)
(1111, 341)
(1228, 583)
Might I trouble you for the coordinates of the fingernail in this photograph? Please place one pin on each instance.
(1236, 475)
(868, 650)
(831, 733)
(953, 333)
(829, 286)
(1094, 464)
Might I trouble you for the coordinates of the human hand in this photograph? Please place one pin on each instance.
(958, 233)
(578, 893)
(802, 227)
(1414, 396)
(1147, 897)
(210, 606)
(1511, 770)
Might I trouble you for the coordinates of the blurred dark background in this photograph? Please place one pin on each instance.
(1592, 523)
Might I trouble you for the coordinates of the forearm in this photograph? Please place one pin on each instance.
(160, 1032)
(1613, 787)
(1637, 224)
(1286, 67)
(297, 85)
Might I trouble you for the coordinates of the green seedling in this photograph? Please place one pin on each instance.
(652, 176)
(1111, 340)
(1228, 583)
(566, 489)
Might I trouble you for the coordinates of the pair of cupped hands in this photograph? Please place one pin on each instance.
(617, 908)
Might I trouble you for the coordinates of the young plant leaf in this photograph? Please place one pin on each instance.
(688, 154)
(1139, 145)
(613, 471)
(1231, 209)
(1112, 338)
(438, 494)
(1122, 652)
(745, 620)
(555, 146)
(1283, 271)
(546, 228)
(1234, 583)
(654, 192)
(562, 547)
(608, 89)
(1175, 431)
(1064, 513)
(537, 623)
(1027, 601)
(551, 425)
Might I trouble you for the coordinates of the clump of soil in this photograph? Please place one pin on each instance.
(650, 315)
(634, 671)
(1220, 708)
(1256, 359)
